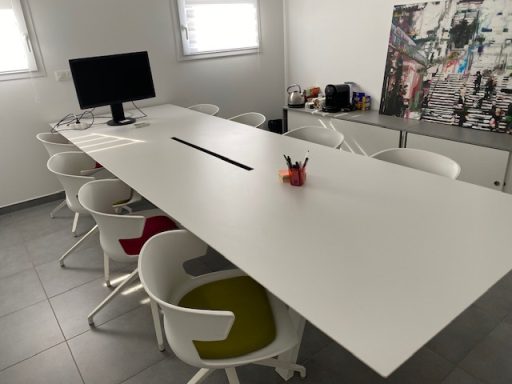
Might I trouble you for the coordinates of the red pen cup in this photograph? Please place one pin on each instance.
(297, 176)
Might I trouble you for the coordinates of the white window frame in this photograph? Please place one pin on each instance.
(181, 35)
(36, 67)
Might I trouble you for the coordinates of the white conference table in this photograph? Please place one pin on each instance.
(378, 256)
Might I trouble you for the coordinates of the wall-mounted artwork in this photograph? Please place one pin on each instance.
(450, 62)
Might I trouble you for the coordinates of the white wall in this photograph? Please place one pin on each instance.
(78, 28)
(333, 41)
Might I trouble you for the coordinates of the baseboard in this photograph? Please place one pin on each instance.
(32, 203)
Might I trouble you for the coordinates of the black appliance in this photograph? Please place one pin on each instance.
(338, 97)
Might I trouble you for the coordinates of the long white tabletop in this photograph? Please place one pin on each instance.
(379, 257)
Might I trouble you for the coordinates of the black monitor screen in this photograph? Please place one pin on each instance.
(107, 80)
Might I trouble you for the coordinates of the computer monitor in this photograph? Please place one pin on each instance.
(112, 80)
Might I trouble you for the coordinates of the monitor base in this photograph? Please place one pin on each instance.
(125, 121)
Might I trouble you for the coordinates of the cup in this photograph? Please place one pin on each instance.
(297, 176)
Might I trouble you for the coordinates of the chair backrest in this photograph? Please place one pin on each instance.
(164, 278)
(68, 167)
(98, 198)
(209, 109)
(55, 143)
(318, 135)
(419, 159)
(254, 119)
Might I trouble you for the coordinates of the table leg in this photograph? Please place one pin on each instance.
(285, 120)
(291, 356)
(507, 183)
(403, 140)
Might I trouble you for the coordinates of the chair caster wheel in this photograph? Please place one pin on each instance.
(61, 263)
(91, 322)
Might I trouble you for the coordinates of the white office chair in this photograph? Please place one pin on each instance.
(422, 160)
(254, 119)
(55, 143)
(220, 320)
(121, 236)
(74, 169)
(319, 135)
(209, 109)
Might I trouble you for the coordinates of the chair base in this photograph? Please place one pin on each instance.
(155, 311)
(57, 208)
(203, 373)
(70, 250)
(75, 224)
(132, 276)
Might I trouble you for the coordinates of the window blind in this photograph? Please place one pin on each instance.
(209, 26)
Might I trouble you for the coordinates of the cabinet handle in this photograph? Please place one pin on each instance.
(497, 183)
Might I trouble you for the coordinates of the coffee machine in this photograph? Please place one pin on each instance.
(339, 97)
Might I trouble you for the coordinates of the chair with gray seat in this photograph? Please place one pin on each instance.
(254, 119)
(319, 135)
(422, 160)
(55, 143)
(208, 109)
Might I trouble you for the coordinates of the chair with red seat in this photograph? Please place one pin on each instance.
(121, 236)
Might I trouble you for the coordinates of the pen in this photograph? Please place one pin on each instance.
(305, 157)
(305, 162)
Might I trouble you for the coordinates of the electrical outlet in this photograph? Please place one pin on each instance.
(63, 75)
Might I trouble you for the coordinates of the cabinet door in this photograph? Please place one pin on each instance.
(359, 138)
(479, 165)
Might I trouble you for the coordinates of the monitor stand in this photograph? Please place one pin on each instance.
(118, 117)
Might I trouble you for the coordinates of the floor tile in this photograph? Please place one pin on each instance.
(118, 349)
(169, 371)
(19, 291)
(37, 221)
(27, 332)
(53, 366)
(462, 334)
(491, 360)
(497, 301)
(313, 341)
(335, 365)
(10, 235)
(508, 319)
(13, 259)
(50, 247)
(82, 266)
(72, 307)
(458, 376)
(425, 367)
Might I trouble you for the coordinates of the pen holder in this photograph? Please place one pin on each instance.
(297, 176)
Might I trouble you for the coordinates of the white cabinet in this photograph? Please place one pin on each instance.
(480, 165)
(359, 138)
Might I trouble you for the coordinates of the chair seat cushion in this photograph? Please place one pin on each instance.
(152, 226)
(254, 326)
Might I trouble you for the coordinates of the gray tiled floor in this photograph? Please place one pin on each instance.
(45, 338)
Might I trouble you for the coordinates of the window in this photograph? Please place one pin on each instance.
(210, 28)
(17, 57)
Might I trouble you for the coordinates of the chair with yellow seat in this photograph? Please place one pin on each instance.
(219, 320)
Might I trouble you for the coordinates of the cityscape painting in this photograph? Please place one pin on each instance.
(450, 62)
